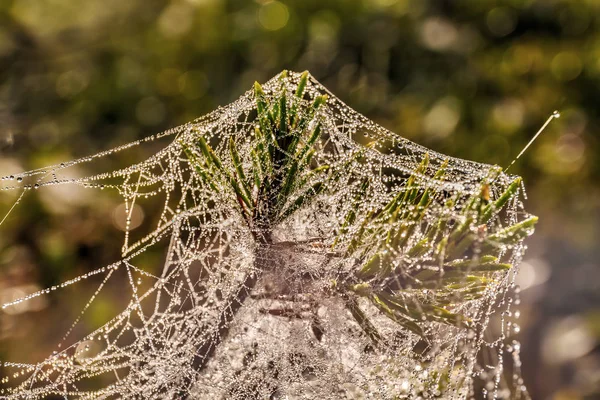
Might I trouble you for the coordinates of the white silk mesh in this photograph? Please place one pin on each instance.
(233, 317)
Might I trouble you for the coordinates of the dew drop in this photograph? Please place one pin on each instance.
(86, 350)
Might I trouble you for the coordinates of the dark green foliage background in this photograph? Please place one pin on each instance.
(469, 78)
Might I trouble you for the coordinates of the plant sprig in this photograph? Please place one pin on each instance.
(420, 256)
(275, 184)
(453, 261)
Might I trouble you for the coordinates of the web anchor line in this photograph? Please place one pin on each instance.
(555, 115)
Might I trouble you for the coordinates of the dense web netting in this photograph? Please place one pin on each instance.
(312, 254)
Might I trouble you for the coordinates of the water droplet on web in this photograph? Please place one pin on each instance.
(86, 351)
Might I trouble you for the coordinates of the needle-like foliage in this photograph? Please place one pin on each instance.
(458, 261)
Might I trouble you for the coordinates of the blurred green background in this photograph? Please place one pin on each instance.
(474, 79)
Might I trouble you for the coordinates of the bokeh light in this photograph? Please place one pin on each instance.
(273, 15)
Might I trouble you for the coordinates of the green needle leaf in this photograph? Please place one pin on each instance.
(302, 85)
(490, 209)
(235, 157)
(363, 321)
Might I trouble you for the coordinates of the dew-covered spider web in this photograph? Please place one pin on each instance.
(310, 254)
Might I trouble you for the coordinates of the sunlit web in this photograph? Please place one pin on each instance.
(322, 296)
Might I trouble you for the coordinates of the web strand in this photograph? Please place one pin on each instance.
(555, 115)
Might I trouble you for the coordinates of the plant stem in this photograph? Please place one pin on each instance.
(207, 350)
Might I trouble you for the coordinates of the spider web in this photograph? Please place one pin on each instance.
(234, 317)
